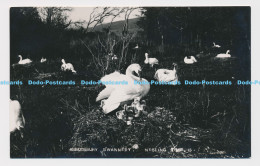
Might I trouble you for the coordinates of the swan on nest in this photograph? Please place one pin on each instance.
(189, 60)
(224, 55)
(119, 94)
(67, 66)
(167, 75)
(136, 47)
(24, 61)
(215, 45)
(43, 60)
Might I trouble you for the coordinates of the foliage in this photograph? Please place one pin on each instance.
(197, 27)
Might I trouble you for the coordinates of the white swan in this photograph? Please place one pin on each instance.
(43, 60)
(150, 61)
(224, 55)
(16, 118)
(136, 47)
(24, 61)
(215, 45)
(67, 66)
(119, 94)
(114, 57)
(167, 75)
(190, 60)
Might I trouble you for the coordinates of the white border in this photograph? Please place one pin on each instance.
(4, 90)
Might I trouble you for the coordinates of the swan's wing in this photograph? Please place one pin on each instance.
(117, 97)
(111, 77)
(156, 75)
(165, 71)
(27, 60)
(159, 74)
(114, 77)
(121, 94)
(220, 55)
(168, 75)
(69, 66)
(63, 67)
(194, 59)
(154, 60)
(171, 77)
(105, 93)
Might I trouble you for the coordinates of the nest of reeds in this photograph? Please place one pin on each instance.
(156, 134)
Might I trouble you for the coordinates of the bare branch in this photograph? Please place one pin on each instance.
(55, 16)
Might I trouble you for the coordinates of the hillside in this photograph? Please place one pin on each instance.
(117, 25)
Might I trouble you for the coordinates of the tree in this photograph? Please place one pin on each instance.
(103, 48)
(56, 17)
(194, 26)
(25, 25)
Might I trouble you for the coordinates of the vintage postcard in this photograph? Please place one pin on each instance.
(130, 82)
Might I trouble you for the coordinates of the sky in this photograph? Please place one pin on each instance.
(82, 13)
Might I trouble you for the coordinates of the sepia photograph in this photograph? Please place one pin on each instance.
(130, 82)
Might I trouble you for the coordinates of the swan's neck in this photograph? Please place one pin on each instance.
(20, 58)
(130, 74)
(174, 70)
(146, 57)
(227, 52)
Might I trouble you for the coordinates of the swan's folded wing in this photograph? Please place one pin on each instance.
(63, 66)
(155, 61)
(71, 67)
(159, 74)
(105, 93)
(114, 77)
(167, 71)
(173, 78)
(156, 75)
(163, 74)
(193, 58)
(110, 77)
(170, 76)
(116, 98)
